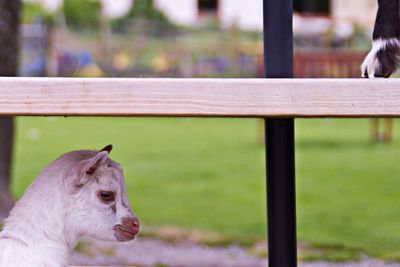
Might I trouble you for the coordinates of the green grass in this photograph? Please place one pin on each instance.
(348, 189)
(208, 174)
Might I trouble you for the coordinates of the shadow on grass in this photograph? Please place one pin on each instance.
(330, 144)
(330, 253)
(255, 246)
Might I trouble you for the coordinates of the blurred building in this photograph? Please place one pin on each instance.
(362, 12)
(248, 15)
(112, 8)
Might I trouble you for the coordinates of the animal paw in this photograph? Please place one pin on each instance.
(382, 60)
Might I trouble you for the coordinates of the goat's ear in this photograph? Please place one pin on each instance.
(81, 173)
(107, 148)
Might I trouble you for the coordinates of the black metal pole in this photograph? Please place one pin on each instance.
(281, 202)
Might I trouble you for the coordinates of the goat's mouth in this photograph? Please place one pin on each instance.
(122, 234)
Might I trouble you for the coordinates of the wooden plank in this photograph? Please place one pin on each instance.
(200, 97)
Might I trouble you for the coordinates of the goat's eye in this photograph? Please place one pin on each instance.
(91, 170)
(107, 196)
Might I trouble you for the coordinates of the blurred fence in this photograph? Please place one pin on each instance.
(324, 64)
(328, 64)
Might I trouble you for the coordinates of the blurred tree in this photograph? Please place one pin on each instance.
(146, 17)
(83, 14)
(9, 36)
(33, 12)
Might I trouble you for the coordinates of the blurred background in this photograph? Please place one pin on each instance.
(186, 38)
(198, 185)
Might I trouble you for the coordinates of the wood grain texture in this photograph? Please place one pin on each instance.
(200, 97)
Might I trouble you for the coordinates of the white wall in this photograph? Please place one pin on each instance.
(362, 12)
(116, 8)
(247, 14)
(50, 5)
(179, 11)
(111, 8)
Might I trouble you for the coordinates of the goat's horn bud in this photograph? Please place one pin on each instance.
(107, 148)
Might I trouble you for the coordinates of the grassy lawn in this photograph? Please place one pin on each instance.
(208, 174)
(348, 188)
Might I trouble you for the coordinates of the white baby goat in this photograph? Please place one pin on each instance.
(81, 194)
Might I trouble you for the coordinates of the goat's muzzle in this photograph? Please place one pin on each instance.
(128, 230)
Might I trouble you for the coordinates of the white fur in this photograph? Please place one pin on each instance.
(45, 225)
(371, 63)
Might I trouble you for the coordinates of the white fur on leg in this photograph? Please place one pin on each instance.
(371, 63)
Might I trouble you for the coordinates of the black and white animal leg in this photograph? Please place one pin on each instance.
(382, 60)
(384, 57)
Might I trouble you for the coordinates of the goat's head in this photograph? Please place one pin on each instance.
(97, 195)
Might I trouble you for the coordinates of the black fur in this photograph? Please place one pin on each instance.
(389, 59)
(387, 23)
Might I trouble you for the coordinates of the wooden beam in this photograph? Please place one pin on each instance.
(200, 97)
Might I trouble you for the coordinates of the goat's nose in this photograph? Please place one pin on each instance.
(135, 222)
(131, 224)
